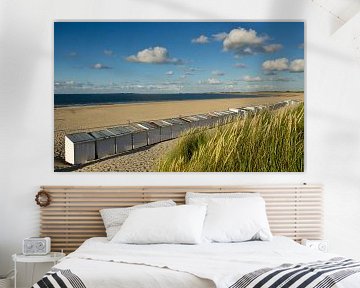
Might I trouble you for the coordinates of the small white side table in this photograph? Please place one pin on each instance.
(53, 257)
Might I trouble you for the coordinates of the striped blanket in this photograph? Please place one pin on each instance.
(320, 274)
(59, 278)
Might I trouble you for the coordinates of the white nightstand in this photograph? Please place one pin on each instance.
(53, 257)
(320, 245)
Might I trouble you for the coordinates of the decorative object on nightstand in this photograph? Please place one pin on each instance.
(36, 246)
(320, 245)
(52, 257)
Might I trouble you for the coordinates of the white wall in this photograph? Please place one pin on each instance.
(26, 115)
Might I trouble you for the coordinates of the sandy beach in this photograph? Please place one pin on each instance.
(90, 118)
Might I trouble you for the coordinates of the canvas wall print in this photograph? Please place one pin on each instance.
(179, 96)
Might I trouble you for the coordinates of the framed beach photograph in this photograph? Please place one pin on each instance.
(179, 96)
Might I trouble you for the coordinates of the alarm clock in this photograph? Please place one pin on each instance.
(36, 246)
(320, 245)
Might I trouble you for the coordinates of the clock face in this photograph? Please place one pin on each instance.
(40, 245)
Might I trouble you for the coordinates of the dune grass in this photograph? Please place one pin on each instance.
(270, 141)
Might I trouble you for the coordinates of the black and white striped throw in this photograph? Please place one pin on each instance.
(320, 274)
(59, 278)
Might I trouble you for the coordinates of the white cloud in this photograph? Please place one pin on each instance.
(246, 42)
(109, 52)
(100, 66)
(240, 65)
(282, 64)
(211, 81)
(276, 65)
(155, 55)
(242, 38)
(219, 36)
(217, 73)
(278, 79)
(248, 78)
(297, 65)
(202, 39)
(271, 48)
(170, 73)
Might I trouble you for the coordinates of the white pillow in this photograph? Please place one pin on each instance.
(113, 218)
(173, 225)
(204, 198)
(236, 220)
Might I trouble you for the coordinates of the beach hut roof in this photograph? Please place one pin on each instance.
(161, 123)
(120, 130)
(135, 128)
(80, 137)
(102, 134)
(187, 119)
(201, 116)
(147, 125)
(175, 121)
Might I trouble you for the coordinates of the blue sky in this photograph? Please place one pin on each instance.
(178, 57)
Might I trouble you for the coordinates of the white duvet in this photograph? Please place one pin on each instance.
(100, 263)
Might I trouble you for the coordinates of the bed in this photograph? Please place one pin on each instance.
(281, 262)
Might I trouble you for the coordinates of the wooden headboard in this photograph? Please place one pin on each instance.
(73, 214)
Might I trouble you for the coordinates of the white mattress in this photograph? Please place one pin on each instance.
(102, 264)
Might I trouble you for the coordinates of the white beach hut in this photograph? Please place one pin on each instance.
(203, 120)
(139, 136)
(153, 132)
(104, 143)
(250, 109)
(178, 126)
(165, 129)
(79, 148)
(123, 139)
(214, 118)
(221, 117)
(192, 120)
(240, 112)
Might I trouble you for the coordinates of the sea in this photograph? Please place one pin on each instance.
(61, 100)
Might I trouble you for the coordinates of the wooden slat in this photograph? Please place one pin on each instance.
(73, 216)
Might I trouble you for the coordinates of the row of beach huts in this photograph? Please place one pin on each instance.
(87, 146)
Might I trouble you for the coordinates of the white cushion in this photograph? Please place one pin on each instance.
(172, 225)
(113, 218)
(236, 220)
(204, 198)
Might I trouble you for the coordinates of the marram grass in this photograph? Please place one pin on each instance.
(270, 141)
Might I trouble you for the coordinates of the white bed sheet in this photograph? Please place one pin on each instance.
(100, 263)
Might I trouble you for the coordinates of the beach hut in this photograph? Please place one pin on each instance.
(221, 117)
(250, 109)
(212, 119)
(153, 132)
(193, 121)
(215, 118)
(165, 129)
(104, 143)
(240, 112)
(178, 126)
(204, 120)
(79, 148)
(258, 108)
(139, 136)
(123, 139)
